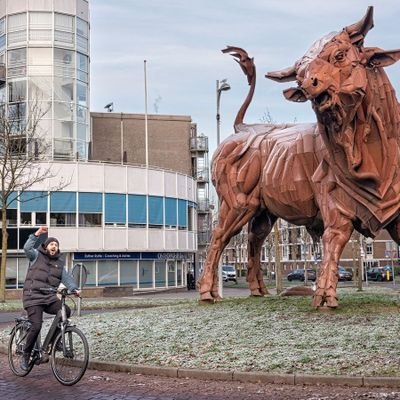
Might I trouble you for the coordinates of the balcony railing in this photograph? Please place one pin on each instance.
(202, 175)
(203, 238)
(203, 205)
(199, 143)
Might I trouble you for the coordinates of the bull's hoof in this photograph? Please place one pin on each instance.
(264, 291)
(206, 297)
(256, 293)
(324, 301)
(318, 301)
(331, 302)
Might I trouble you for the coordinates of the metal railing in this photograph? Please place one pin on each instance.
(199, 143)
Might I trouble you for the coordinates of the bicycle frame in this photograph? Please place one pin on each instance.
(60, 321)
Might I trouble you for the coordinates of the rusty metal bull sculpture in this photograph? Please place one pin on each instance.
(340, 174)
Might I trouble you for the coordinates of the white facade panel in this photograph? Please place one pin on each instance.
(66, 236)
(156, 240)
(91, 177)
(16, 6)
(183, 240)
(82, 9)
(65, 6)
(182, 187)
(137, 180)
(114, 179)
(40, 5)
(171, 239)
(61, 174)
(170, 184)
(115, 239)
(192, 245)
(2, 8)
(90, 239)
(191, 190)
(156, 182)
(137, 240)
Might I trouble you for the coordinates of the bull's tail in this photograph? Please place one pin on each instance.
(249, 69)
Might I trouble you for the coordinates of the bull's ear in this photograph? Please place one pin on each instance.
(295, 94)
(381, 58)
(359, 30)
(284, 75)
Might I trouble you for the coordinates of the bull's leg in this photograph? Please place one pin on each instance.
(230, 222)
(337, 233)
(259, 228)
(394, 230)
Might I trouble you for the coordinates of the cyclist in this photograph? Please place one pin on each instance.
(46, 270)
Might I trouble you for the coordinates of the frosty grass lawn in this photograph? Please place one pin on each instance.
(273, 334)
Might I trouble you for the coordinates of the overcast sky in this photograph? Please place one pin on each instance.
(181, 41)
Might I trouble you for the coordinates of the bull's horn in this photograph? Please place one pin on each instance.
(284, 75)
(359, 30)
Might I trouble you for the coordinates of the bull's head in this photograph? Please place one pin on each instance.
(332, 74)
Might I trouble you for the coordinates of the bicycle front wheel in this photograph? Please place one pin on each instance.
(69, 356)
(16, 350)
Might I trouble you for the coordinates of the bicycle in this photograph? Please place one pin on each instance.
(65, 345)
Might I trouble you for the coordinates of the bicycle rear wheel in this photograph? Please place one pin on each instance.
(69, 360)
(16, 350)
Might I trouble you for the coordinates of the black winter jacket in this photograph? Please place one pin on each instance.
(43, 272)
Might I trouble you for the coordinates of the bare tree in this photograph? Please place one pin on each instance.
(24, 150)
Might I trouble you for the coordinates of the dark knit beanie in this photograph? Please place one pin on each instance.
(49, 240)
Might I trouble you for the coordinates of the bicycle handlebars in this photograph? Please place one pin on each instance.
(63, 291)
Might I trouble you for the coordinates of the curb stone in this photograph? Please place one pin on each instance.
(238, 376)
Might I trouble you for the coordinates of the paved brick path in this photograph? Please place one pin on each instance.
(41, 385)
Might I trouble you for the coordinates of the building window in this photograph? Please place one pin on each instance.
(128, 272)
(171, 212)
(2, 34)
(90, 220)
(26, 218)
(64, 30)
(137, 211)
(82, 35)
(17, 29)
(41, 218)
(115, 209)
(82, 67)
(17, 90)
(156, 211)
(182, 214)
(64, 149)
(40, 26)
(108, 273)
(62, 219)
(11, 217)
(64, 63)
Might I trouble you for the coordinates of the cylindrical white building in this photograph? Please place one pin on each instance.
(44, 47)
(133, 227)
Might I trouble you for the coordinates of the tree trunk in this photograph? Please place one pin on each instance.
(4, 236)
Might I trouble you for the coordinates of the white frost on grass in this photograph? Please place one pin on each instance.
(280, 335)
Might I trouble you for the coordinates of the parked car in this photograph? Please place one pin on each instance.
(380, 274)
(344, 274)
(298, 274)
(229, 273)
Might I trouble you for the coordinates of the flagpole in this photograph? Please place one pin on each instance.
(145, 115)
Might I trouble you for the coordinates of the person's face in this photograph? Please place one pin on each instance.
(52, 248)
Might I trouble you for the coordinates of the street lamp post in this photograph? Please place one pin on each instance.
(221, 87)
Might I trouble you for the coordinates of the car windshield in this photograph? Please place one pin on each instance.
(228, 268)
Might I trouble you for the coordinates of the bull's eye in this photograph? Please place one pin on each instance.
(340, 56)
